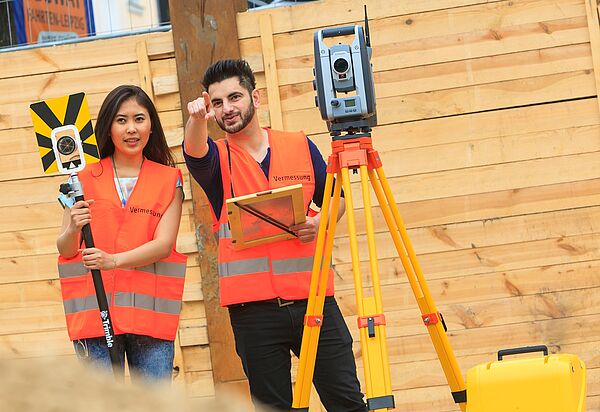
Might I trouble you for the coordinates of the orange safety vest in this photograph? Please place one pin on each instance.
(143, 300)
(281, 269)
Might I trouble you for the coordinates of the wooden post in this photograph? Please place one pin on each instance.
(141, 50)
(270, 65)
(204, 32)
(591, 8)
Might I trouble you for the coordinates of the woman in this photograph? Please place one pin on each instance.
(134, 200)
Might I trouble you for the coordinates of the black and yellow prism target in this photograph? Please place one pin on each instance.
(64, 132)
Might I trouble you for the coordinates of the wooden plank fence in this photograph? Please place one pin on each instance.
(489, 131)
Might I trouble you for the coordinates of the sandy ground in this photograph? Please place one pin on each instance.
(65, 385)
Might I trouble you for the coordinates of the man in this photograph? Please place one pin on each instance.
(266, 287)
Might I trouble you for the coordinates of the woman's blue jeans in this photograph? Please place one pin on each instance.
(148, 358)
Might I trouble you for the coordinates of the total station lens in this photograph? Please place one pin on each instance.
(340, 65)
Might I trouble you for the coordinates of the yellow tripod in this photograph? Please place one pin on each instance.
(355, 152)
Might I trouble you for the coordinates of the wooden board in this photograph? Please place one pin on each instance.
(45, 86)
(452, 102)
(482, 233)
(452, 75)
(338, 12)
(485, 206)
(82, 55)
(490, 178)
(540, 253)
(442, 36)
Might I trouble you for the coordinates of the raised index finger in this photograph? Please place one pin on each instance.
(207, 102)
(210, 111)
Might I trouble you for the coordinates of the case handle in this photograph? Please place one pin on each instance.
(526, 349)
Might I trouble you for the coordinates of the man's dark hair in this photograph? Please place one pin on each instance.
(225, 69)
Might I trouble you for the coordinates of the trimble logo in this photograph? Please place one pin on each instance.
(106, 326)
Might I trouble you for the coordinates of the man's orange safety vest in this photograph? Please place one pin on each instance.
(281, 269)
(144, 300)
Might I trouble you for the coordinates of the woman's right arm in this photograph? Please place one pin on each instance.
(74, 219)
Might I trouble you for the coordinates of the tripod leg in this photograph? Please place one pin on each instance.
(430, 315)
(384, 393)
(371, 320)
(316, 299)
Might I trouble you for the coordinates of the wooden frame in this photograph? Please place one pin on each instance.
(285, 207)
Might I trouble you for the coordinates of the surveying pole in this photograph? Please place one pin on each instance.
(355, 152)
(75, 190)
(66, 141)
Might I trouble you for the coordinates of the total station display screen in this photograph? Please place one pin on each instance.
(349, 103)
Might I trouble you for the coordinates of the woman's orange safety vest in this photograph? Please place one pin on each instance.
(143, 300)
(281, 269)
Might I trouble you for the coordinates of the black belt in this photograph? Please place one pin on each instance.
(277, 301)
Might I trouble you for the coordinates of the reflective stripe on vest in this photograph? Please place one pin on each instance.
(224, 231)
(280, 267)
(82, 304)
(141, 301)
(292, 265)
(124, 299)
(243, 267)
(249, 266)
(172, 269)
(71, 270)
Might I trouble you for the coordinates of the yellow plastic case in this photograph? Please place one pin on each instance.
(549, 383)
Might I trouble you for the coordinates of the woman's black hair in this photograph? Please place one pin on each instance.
(156, 149)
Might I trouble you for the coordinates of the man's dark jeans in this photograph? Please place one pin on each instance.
(264, 335)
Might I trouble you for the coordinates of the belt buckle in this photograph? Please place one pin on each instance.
(282, 304)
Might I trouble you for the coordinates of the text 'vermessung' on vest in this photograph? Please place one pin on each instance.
(151, 212)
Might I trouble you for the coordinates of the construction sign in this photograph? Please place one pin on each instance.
(64, 132)
(39, 21)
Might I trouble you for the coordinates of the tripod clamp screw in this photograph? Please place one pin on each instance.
(430, 319)
(313, 320)
(433, 318)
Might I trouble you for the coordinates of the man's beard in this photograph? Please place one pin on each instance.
(245, 118)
